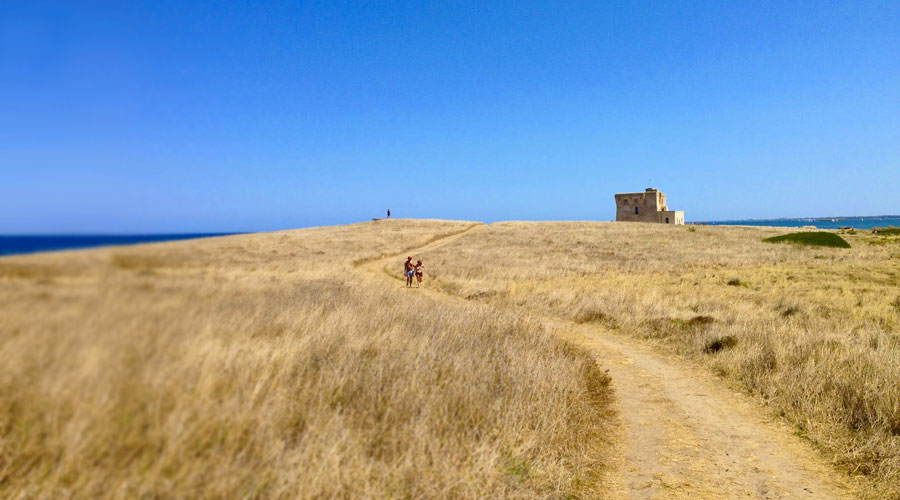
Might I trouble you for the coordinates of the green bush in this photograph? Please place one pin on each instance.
(890, 230)
(726, 342)
(820, 238)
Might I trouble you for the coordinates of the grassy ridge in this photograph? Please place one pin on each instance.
(259, 366)
(821, 239)
(811, 330)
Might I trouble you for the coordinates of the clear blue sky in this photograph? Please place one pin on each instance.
(188, 116)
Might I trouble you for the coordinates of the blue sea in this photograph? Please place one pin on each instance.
(13, 244)
(820, 222)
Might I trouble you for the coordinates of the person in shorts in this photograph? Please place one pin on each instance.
(408, 270)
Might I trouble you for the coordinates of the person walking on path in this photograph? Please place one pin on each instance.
(419, 271)
(408, 270)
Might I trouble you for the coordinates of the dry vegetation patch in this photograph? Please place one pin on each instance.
(257, 366)
(25, 270)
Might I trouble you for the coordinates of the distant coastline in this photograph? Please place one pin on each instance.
(856, 222)
(814, 218)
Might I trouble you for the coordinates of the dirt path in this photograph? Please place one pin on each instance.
(684, 433)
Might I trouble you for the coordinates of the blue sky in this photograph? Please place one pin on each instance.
(201, 116)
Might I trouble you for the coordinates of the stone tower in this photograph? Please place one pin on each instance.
(649, 206)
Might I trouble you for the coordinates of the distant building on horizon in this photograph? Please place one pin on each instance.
(649, 206)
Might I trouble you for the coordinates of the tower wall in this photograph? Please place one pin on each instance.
(648, 206)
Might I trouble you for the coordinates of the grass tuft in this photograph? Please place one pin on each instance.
(16, 270)
(701, 320)
(789, 311)
(695, 322)
(138, 262)
(592, 316)
(820, 238)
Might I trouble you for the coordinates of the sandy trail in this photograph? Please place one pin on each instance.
(687, 435)
(683, 433)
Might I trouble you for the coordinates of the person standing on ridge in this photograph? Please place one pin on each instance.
(389, 213)
(408, 270)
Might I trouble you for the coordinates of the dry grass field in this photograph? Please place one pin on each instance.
(269, 366)
(812, 331)
(287, 365)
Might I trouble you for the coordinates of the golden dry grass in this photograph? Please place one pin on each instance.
(266, 366)
(815, 332)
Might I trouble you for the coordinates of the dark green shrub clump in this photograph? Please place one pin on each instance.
(890, 230)
(820, 238)
(720, 343)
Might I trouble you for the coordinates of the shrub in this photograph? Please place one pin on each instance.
(726, 342)
(819, 238)
(736, 282)
(890, 230)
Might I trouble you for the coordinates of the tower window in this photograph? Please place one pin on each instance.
(635, 210)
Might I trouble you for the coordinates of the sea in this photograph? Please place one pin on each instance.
(20, 244)
(865, 222)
